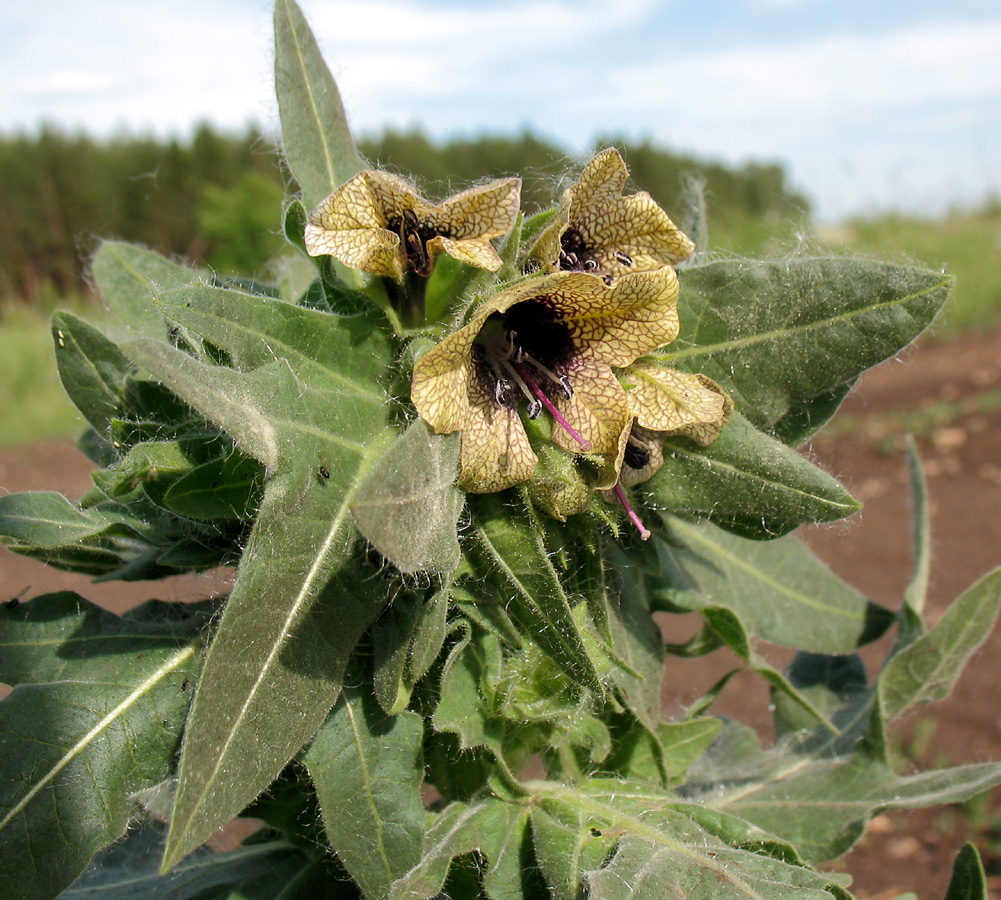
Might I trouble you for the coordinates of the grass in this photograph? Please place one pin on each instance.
(33, 404)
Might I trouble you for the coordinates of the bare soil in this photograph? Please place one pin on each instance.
(953, 389)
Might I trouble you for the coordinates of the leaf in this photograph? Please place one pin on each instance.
(732, 632)
(804, 420)
(128, 870)
(747, 482)
(318, 145)
(660, 851)
(911, 623)
(227, 487)
(761, 328)
(368, 769)
(409, 506)
(822, 806)
(100, 720)
(317, 422)
(968, 881)
(780, 591)
(494, 828)
(926, 669)
(510, 544)
(92, 370)
(129, 277)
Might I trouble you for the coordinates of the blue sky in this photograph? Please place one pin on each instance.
(870, 105)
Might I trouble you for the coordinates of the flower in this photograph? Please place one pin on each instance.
(377, 222)
(598, 230)
(666, 402)
(552, 341)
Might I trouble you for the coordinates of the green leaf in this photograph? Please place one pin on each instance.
(762, 328)
(100, 720)
(821, 806)
(911, 622)
(731, 630)
(805, 419)
(510, 543)
(368, 769)
(128, 870)
(968, 882)
(661, 850)
(779, 589)
(494, 828)
(227, 487)
(318, 145)
(747, 482)
(92, 369)
(314, 419)
(129, 277)
(926, 669)
(409, 506)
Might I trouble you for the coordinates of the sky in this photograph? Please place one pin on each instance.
(871, 106)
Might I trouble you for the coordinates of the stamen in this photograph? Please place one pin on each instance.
(555, 413)
(635, 519)
(514, 350)
(561, 380)
(623, 258)
(533, 404)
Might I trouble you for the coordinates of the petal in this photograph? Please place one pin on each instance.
(638, 227)
(673, 402)
(599, 185)
(479, 253)
(350, 226)
(616, 325)
(598, 411)
(481, 212)
(394, 196)
(495, 452)
(441, 379)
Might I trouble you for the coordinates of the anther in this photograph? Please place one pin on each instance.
(623, 258)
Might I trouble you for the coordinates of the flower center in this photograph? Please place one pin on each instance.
(414, 236)
(576, 256)
(521, 354)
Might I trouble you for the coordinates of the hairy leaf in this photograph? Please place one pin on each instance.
(779, 589)
(318, 145)
(367, 768)
(99, 719)
(780, 333)
(747, 482)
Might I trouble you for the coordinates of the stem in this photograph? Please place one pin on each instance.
(621, 494)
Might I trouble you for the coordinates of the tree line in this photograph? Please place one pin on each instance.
(217, 198)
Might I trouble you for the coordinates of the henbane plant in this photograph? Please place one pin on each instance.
(460, 456)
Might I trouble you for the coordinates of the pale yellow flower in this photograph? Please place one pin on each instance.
(378, 223)
(551, 341)
(666, 402)
(598, 230)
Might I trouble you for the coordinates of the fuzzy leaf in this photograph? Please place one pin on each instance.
(129, 277)
(409, 505)
(661, 851)
(747, 482)
(92, 369)
(821, 806)
(926, 669)
(780, 333)
(779, 589)
(227, 487)
(510, 544)
(129, 870)
(367, 768)
(100, 719)
(968, 882)
(315, 420)
(318, 145)
(492, 827)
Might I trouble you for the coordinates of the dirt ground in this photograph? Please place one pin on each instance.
(954, 393)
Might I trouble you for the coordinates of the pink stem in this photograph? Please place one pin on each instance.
(621, 494)
(554, 412)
